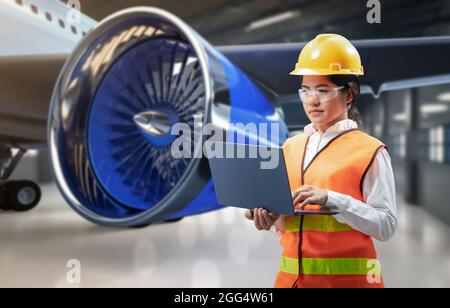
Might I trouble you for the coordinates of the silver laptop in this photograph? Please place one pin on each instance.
(243, 183)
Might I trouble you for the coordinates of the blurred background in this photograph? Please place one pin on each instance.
(222, 249)
(390, 118)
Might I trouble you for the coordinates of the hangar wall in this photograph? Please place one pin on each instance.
(415, 124)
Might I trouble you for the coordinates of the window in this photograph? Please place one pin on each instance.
(83, 33)
(436, 145)
(62, 24)
(48, 16)
(19, 2)
(74, 30)
(402, 145)
(34, 9)
(447, 134)
(447, 144)
(423, 144)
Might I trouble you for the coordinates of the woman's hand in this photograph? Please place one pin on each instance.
(262, 218)
(306, 195)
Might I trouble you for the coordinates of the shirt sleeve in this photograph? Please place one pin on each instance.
(377, 215)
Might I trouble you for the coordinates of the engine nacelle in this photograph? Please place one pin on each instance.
(138, 73)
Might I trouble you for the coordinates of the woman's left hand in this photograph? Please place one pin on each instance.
(309, 195)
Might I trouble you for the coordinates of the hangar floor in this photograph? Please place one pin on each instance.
(219, 249)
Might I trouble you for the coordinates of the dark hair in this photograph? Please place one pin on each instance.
(352, 83)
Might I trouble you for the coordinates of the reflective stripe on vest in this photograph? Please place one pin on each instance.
(315, 223)
(331, 266)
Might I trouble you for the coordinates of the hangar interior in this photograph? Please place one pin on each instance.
(212, 250)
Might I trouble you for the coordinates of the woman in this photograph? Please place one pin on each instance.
(334, 165)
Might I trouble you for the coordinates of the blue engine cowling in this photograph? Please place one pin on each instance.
(129, 81)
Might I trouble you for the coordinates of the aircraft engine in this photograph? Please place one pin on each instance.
(117, 99)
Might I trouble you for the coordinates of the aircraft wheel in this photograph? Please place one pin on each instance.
(2, 197)
(23, 195)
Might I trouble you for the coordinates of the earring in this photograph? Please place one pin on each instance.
(349, 107)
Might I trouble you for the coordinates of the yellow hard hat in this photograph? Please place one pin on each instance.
(329, 54)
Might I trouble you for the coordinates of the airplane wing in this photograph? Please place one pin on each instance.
(27, 82)
(390, 64)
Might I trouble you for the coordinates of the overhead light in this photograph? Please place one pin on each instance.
(434, 108)
(401, 117)
(444, 97)
(264, 22)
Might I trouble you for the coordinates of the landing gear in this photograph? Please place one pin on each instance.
(23, 196)
(19, 196)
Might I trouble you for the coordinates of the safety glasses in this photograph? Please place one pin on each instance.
(322, 94)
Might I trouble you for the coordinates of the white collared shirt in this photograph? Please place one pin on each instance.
(377, 215)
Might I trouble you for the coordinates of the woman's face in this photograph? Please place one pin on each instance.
(323, 113)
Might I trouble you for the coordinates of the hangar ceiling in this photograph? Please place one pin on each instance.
(225, 22)
(233, 22)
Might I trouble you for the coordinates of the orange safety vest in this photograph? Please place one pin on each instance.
(318, 251)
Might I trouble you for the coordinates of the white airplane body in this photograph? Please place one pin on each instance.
(33, 27)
